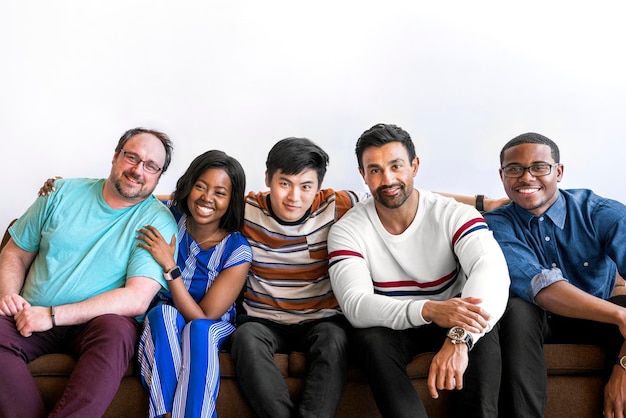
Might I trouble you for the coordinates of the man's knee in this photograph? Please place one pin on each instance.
(10, 338)
(371, 337)
(327, 341)
(329, 334)
(248, 338)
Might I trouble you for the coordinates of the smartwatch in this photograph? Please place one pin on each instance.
(458, 335)
(172, 274)
(621, 361)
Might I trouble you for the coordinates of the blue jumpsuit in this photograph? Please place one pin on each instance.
(179, 361)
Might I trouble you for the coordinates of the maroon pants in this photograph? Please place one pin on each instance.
(102, 347)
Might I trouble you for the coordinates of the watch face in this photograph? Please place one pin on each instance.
(622, 362)
(459, 335)
(456, 333)
(175, 273)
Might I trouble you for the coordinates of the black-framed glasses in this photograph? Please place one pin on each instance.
(535, 170)
(133, 159)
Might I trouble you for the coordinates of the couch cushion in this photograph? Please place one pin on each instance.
(297, 364)
(570, 359)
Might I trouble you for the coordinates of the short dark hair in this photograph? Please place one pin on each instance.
(233, 218)
(532, 138)
(293, 155)
(382, 134)
(165, 140)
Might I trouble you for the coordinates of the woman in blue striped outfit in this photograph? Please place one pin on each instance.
(178, 349)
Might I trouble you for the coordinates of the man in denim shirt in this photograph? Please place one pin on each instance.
(563, 248)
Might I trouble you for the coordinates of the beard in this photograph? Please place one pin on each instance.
(136, 192)
(392, 202)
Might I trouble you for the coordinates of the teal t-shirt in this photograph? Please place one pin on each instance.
(85, 247)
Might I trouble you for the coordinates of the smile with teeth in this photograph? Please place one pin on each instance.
(528, 190)
(133, 179)
(205, 211)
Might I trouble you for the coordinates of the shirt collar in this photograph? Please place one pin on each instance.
(557, 212)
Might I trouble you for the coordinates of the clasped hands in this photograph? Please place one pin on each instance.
(28, 319)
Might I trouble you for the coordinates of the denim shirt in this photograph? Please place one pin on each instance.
(580, 238)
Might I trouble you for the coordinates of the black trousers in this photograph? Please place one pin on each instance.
(512, 364)
(383, 354)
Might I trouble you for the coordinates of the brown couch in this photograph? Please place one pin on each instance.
(575, 385)
(574, 380)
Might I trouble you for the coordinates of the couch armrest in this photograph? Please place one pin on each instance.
(6, 236)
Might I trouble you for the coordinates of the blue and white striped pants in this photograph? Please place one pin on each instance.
(179, 362)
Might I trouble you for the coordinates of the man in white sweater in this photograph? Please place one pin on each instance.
(414, 271)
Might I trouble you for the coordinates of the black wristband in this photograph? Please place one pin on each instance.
(480, 203)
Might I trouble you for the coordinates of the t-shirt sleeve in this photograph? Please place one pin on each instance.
(26, 231)
(141, 262)
(239, 251)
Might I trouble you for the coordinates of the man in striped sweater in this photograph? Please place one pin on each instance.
(289, 304)
(410, 268)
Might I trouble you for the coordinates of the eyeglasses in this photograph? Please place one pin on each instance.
(535, 170)
(133, 159)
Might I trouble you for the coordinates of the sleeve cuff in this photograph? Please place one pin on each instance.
(544, 279)
(414, 313)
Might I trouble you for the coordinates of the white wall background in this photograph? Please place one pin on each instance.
(462, 77)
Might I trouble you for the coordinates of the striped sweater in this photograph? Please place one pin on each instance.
(288, 280)
(382, 279)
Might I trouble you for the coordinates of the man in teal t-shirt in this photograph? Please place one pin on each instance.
(73, 280)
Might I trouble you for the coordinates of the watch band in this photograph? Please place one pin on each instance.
(480, 203)
(469, 341)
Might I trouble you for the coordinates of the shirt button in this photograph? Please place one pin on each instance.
(541, 219)
(553, 264)
(586, 263)
(547, 238)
